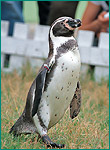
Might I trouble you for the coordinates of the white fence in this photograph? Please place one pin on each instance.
(17, 49)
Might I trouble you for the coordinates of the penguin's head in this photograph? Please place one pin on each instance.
(64, 26)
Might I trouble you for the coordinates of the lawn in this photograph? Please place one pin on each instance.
(90, 130)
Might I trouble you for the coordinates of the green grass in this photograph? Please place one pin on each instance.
(90, 130)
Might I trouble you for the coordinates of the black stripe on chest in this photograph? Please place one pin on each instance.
(67, 46)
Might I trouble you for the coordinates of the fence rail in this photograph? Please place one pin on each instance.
(18, 48)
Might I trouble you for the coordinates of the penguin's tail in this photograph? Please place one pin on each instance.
(24, 125)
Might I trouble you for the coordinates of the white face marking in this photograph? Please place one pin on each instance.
(59, 20)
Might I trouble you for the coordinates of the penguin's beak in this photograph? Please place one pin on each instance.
(74, 23)
(71, 24)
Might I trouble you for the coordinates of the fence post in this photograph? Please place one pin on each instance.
(85, 41)
(102, 71)
(4, 28)
(20, 30)
(4, 33)
(41, 33)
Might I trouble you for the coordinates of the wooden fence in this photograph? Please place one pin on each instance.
(19, 48)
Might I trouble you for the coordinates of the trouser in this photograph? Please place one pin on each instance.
(12, 11)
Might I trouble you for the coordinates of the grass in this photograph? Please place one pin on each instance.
(90, 130)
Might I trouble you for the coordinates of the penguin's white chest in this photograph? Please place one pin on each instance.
(61, 89)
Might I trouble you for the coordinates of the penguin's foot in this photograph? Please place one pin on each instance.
(49, 143)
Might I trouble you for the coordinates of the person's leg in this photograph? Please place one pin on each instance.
(12, 11)
(62, 8)
(44, 9)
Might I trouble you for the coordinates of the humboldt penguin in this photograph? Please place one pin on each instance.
(56, 86)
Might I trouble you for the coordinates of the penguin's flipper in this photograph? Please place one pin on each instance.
(40, 83)
(76, 102)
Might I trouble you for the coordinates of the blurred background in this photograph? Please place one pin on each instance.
(33, 17)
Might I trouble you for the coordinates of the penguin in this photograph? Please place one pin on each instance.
(56, 86)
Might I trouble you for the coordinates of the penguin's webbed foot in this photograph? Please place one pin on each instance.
(49, 143)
